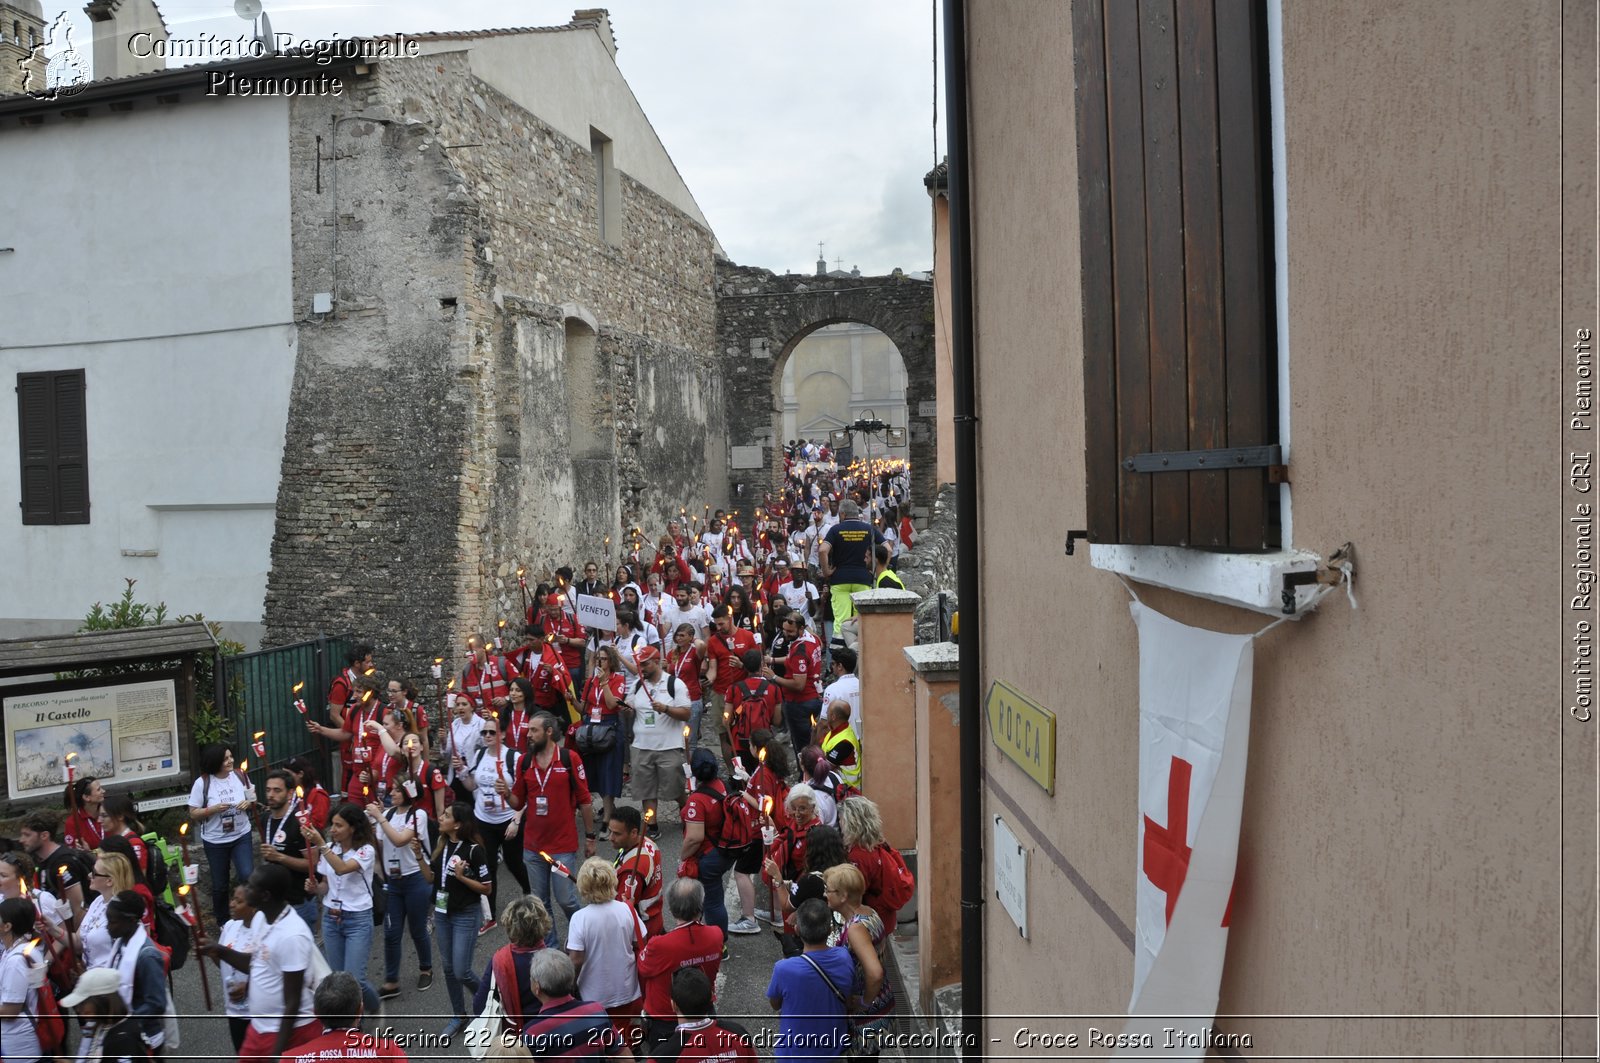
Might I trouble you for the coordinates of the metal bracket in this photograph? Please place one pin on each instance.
(1328, 574)
(1073, 536)
(1206, 460)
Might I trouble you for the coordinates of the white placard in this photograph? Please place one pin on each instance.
(1011, 875)
(594, 611)
(927, 409)
(122, 733)
(748, 457)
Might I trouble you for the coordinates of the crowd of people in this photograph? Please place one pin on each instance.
(725, 696)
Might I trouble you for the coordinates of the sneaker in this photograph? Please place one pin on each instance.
(724, 950)
(763, 915)
(425, 980)
(746, 925)
(388, 992)
(455, 1026)
(486, 927)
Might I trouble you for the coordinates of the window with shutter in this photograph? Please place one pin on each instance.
(1174, 193)
(54, 446)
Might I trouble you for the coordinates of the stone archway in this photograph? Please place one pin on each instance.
(761, 317)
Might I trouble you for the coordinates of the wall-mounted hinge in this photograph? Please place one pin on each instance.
(1206, 460)
(1073, 536)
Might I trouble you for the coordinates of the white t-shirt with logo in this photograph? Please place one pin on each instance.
(399, 860)
(229, 825)
(487, 804)
(282, 945)
(606, 934)
(800, 597)
(697, 615)
(351, 891)
(652, 729)
(846, 688)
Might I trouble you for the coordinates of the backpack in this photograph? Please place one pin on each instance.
(159, 860)
(48, 1022)
(896, 886)
(759, 719)
(739, 826)
(172, 934)
(511, 762)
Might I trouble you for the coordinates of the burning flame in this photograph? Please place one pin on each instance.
(686, 730)
(369, 671)
(183, 828)
(299, 792)
(71, 757)
(766, 804)
(259, 735)
(27, 950)
(520, 572)
(502, 625)
(436, 660)
(547, 857)
(298, 686)
(450, 685)
(649, 814)
(244, 766)
(366, 695)
(24, 885)
(762, 756)
(183, 891)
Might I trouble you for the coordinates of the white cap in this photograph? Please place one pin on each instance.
(95, 982)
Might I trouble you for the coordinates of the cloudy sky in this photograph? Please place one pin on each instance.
(792, 121)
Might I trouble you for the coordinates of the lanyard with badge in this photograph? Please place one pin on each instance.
(541, 803)
(393, 862)
(447, 865)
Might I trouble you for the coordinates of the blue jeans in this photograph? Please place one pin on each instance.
(712, 867)
(410, 900)
(798, 715)
(458, 935)
(307, 910)
(696, 708)
(542, 879)
(347, 942)
(241, 854)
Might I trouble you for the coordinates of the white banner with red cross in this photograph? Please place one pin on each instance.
(1194, 732)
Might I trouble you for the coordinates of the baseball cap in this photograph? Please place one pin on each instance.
(645, 653)
(552, 599)
(95, 982)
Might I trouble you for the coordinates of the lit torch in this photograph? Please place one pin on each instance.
(193, 918)
(258, 746)
(67, 770)
(560, 869)
(299, 702)
(499, 637)
(438, 668)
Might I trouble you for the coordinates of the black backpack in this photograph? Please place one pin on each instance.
(173, 934)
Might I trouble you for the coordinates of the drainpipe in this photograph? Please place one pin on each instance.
(966, 431)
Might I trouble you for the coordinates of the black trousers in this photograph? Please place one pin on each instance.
(496, 845)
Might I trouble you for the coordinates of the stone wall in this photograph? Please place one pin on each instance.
(762, 316)
(931, 567)
(496, 386)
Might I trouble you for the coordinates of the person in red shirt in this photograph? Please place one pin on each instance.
(311, 792)
(685, 663)
(551, 785)
(753, 703)
(343, 693)
(690, 946)
(403, 697)
(486, 678)
(560, 628)
(638, 865)
(699, 1037)
(81, 829)
(337, 1005)
(801, 702)
(724, 647)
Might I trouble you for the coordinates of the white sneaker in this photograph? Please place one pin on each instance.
(763, 915)
(746, 925)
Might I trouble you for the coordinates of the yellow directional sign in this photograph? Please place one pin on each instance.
(1023, 731)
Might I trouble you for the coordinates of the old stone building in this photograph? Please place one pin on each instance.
(454, 319)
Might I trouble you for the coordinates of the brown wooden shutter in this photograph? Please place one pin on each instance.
(53, 442)
(1177, 300)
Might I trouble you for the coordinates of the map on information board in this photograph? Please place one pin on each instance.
(122, 733)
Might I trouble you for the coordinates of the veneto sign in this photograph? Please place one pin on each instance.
(1024, 731)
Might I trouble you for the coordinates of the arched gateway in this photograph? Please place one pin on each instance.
(762, 316)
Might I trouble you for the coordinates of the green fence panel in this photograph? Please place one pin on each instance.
(261, 701)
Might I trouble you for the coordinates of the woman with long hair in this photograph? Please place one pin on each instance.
(496, 820)
(119, 819)
(313, 794)
(603, 695)
(408, 767)
(404, 697)
(458, 871)
(519, 712)
(744, 614)
(221, 801)
(344, 880)
(19, 1000)
(403, 822)
(683, 663)
(817, 770)
(82, 799)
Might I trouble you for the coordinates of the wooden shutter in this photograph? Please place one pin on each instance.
(1177, 300)
(53, 442)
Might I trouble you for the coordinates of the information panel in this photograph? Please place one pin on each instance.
(123, 733)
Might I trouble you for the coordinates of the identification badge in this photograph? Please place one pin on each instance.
(441, 901)
(541, 805)
(594, 715)
(280, 839)
(394, 869)
(361, 754)
(411, 788)
(650, 719)
(227, 823)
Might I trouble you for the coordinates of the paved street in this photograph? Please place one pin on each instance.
(415, 1018)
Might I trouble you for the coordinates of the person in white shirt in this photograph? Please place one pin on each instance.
(463, 740)
(845, 686)
(407, 898)
(800, 594)
(630, 637)
(660, 707)
(221, 801)
(603, 940)
(238, 934)
(279, 997)
(21, 975)
(344, 878)
(496, 819)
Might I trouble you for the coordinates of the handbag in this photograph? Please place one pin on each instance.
(595, 739)
(490, 1036)
(861, 1049)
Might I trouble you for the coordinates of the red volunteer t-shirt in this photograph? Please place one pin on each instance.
(805, 659)
(709, 1041)
(685, 665)
(726, 653)
(690, 945)
(639, 884)
(556, 830)
(345, 1044)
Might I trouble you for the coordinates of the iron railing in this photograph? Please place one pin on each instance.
(260, 698)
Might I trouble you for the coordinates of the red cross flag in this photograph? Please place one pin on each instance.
(1194, 731)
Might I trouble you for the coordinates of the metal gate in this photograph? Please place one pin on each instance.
(260, 688)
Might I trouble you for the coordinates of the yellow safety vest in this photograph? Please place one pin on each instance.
(850, 773)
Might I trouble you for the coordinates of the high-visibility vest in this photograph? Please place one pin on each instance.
(850, 773)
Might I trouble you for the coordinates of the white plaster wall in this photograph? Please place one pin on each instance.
(154, 253)
(572, 82)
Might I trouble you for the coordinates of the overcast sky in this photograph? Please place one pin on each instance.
(792, 121)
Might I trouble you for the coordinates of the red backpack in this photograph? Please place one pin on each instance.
(48, 1022)
(895, 883)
